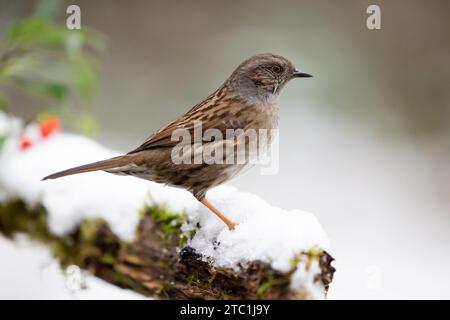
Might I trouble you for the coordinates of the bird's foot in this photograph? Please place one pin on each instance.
(231, 225)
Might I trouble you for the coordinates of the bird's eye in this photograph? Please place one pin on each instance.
(277, 69)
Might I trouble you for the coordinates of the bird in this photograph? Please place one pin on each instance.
(247, 100)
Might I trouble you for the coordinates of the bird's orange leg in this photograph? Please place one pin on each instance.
(227, 221)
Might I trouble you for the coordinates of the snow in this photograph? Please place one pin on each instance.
(303, 277)
(264, 232)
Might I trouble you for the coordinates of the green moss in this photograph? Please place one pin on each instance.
(294, 261)
(269, 282)
(314, 255)
(16, 217)
(169, 224)
(185, 237)
(107, 258)
(88, 230)
(125, 282)
(63, 249)
(272, 280)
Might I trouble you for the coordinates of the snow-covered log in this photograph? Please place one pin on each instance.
(153, 239)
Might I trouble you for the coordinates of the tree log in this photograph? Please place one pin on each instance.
(158, 263)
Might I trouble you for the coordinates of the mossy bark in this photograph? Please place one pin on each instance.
(153, 263)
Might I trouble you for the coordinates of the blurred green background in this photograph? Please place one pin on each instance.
(364, 144)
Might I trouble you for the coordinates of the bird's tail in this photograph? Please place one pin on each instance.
(100, 165)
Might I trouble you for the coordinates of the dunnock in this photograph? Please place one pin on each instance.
(247, 100)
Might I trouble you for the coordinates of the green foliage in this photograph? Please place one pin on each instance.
(39, 57)
(48, 8)
(3, 102)
(86, 124)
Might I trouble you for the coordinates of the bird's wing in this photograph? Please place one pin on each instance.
(210, 114)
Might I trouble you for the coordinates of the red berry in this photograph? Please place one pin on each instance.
(49, 126)
(25, 143)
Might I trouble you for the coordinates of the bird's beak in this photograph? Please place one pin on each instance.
(299, 74)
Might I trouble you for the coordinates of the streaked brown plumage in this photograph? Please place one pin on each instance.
(248, 99)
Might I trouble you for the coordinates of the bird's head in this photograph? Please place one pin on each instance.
(262, 76)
